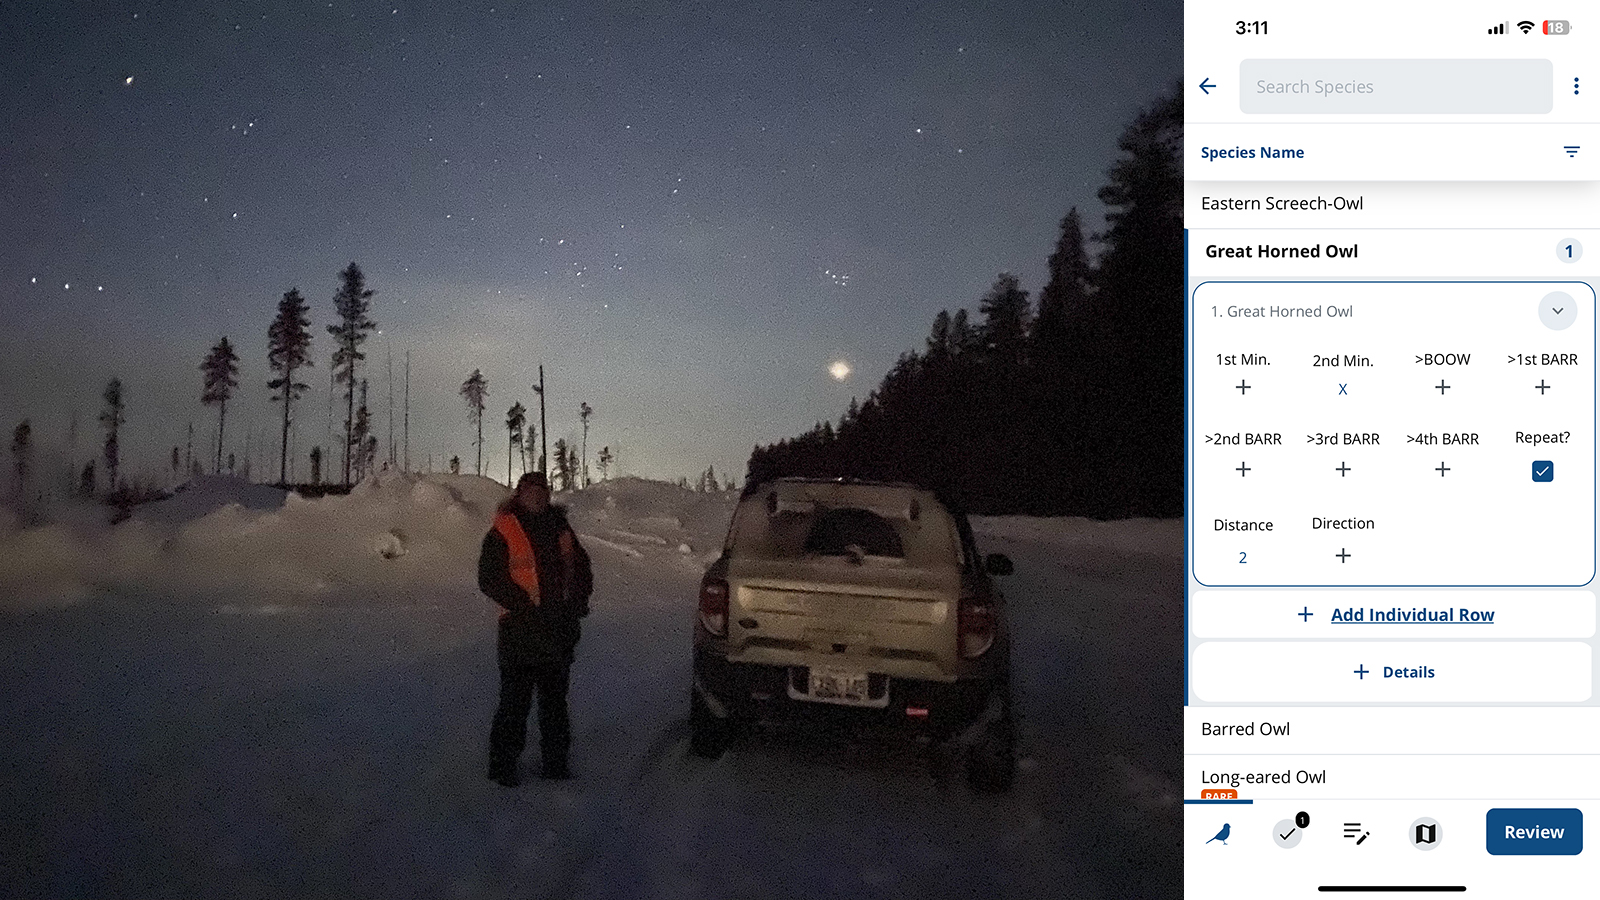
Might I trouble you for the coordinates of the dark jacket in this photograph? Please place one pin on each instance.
(549, 631)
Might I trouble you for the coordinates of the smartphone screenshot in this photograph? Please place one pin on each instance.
(1390, 425)
(592, 450)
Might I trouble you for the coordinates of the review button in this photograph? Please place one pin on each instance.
(1535, 832)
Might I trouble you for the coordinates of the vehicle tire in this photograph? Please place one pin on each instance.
(992, 760)
(709, 736)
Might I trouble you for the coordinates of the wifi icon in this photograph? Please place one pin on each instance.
(1525, 25)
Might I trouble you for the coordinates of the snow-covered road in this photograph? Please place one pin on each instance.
(244, 748)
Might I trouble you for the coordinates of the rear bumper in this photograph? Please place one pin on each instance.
(756, 692)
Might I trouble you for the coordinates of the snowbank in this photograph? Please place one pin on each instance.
(403, 538)
(207, 494)
(223, 539)
(648, 511)
(396, 537)
(1126, 537)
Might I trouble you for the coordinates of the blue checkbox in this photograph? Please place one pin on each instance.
(1544, 470)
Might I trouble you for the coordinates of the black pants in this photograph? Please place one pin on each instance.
(509, 734)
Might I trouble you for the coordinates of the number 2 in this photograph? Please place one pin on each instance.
(1241, 558)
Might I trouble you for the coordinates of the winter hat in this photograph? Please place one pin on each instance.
(536, 479)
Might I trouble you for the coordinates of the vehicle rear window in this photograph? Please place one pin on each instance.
(793, 521)
(837, 531)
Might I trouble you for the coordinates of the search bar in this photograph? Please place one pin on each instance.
(1396, 86)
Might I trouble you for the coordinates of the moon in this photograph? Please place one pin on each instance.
(840, 370)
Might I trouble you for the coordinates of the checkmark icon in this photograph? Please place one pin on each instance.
(1544, 470)
(1285, 837)
(1541, 471)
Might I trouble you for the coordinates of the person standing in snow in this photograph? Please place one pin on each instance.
(533, 566)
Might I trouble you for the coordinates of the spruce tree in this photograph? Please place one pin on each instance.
(455, 465)
(220, 371)
(352, 302)
(961, 336)
(111, 417)
(516, 419)
(939, 335)
(359, 433)
(563, 461)
(1004, 331)
(603, 460)
(584, 412)
(316, 465)
(1136, 392)
(1063, 352)
(530, 440)
(475, 390)
(22, 455)
(288, 349)
(1067, 293)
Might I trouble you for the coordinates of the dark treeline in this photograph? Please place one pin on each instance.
(1071, 406)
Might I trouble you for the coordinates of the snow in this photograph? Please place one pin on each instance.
(207, 494)
(1126, 537)
(244, 693)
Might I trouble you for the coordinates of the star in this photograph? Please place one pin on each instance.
(128, 80)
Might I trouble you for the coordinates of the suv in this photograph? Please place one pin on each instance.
(863, 604)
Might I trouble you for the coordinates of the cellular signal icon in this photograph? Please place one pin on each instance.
(1525, 25)
(1502, 28)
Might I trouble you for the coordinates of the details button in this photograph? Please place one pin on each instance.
(1535, 832)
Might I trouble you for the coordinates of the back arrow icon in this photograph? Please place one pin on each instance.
(1206, 86)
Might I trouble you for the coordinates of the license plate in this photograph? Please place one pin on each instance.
(839, 687)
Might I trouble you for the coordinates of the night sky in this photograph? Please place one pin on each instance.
(686, 211)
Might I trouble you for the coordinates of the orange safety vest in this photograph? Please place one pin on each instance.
(522, 563)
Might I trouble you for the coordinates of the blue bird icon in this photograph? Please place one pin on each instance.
(1222, 835)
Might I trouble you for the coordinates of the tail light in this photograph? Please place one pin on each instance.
(714, 607)
(975, 625)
